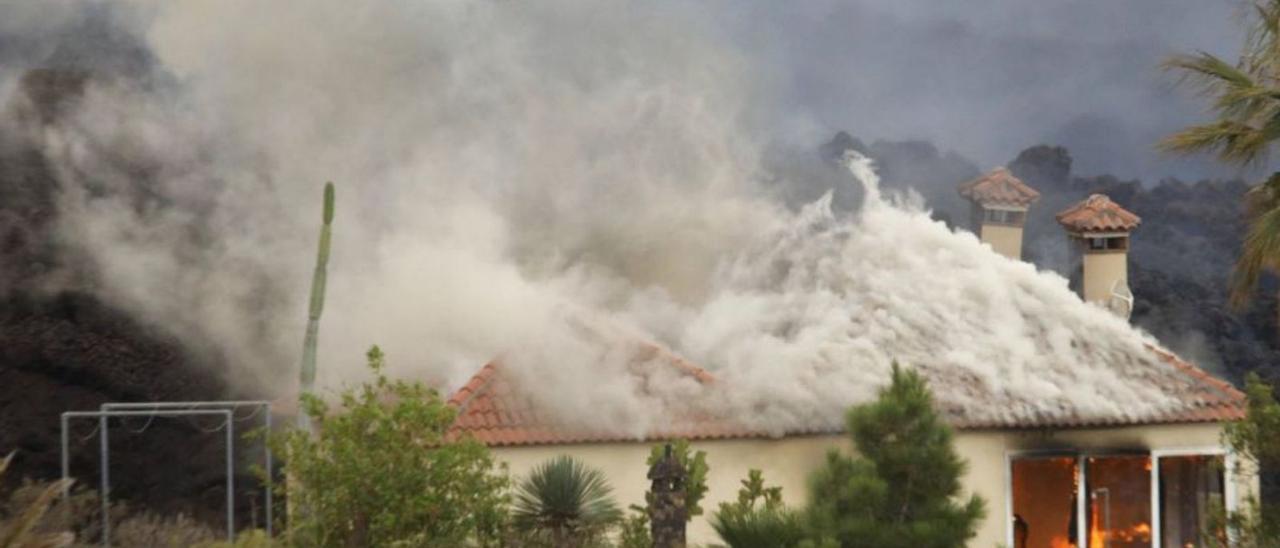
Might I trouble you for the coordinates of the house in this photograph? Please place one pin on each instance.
(1114, 474)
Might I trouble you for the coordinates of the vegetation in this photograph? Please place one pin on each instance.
(901, 490)
(564, 503)
(695, 465)
(758, 519)
(1245, 97)
(316, 307)
(21, 528)
(633, 530)
(1254, 440)
(383, 471)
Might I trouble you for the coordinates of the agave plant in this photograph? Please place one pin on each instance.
(565, 503)
(20, 530)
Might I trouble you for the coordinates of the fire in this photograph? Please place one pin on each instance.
(1061, 542)
(1101, 538)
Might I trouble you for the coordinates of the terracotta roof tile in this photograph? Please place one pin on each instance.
(494, 411)
(1098, 213)
(999, 187)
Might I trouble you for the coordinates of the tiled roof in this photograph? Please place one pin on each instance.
(1098, 213)
(999, 187)
(493, 409)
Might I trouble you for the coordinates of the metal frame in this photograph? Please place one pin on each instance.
(263, 406)
(1010, 456)
(1228, 480)
(104, 462)
(1082, 457)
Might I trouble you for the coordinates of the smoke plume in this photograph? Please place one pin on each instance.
(510, 172)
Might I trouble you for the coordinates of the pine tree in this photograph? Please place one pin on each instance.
(902, 489)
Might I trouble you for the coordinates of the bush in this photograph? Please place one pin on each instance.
(147, 529)
(900, 491)
(1256, 440)
(757, 519)
(383, 471)
(20, 526)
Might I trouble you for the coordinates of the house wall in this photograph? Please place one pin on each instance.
(789, 462)
(1101, 271)
(1003, 239)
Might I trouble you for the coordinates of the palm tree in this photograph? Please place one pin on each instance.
(565, 502)
(1246, 100)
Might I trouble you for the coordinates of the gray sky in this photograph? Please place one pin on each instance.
(987, 78)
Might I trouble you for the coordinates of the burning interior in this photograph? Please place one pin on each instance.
(1127, 500)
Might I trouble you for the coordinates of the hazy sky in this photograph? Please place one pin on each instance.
(987, 78)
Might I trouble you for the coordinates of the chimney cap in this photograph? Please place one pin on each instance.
(999, 187)
(1098, 213)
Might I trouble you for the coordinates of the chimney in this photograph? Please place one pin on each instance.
(999, 210)
(1098, 232)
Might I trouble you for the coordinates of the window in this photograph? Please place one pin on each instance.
(1113, 243)
(1162, 499)
(1190, 486)
(1118, 514)
(1003, 217)
(1044, 502)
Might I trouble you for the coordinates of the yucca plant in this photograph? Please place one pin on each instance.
(19, 531)
(564, 503)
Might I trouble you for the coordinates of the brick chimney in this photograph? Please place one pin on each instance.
(1098, 233)
(999, 210)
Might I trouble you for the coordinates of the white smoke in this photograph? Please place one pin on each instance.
(508, 172)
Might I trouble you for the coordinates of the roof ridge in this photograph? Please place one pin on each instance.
(481, 380)
(1195, 371)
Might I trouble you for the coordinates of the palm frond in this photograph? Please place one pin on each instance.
(1231, 141)
(1260, 252)
(1209, 70)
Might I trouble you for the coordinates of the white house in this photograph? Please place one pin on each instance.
(1129, 478)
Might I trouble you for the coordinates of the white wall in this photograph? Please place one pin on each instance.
(790, 461)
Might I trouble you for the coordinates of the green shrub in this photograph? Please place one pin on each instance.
(758, 519)
(382, 470)
(901, 489)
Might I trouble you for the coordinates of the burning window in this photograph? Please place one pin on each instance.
(1044, 502)
(1189, 487)
(1119, 501)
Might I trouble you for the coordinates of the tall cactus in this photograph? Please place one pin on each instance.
(308, 373)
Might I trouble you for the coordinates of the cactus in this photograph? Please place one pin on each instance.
(308, 373)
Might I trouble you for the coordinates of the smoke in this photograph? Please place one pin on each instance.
(991, 77)
(542, 181)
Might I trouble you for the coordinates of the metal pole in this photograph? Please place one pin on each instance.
(66, 470)
(231, 481)
(105, 473)
(266, 449)
(270, 478)
(104, 446)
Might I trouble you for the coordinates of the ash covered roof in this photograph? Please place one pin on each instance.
(999, 187)
(496, 410)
